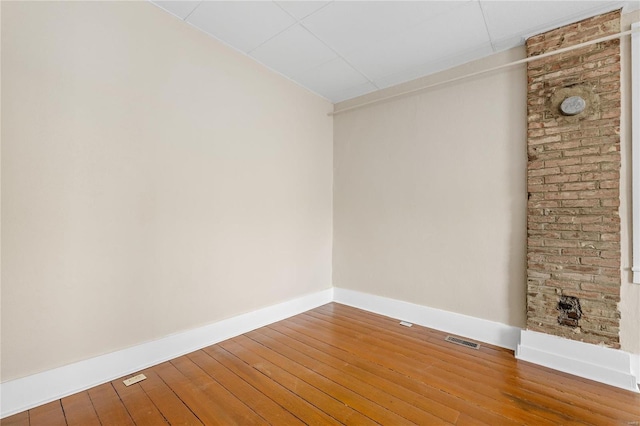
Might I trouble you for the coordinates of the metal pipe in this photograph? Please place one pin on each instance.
(499, 67)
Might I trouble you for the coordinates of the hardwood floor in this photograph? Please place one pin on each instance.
(340, 365)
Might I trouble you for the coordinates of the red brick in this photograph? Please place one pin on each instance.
(609, 158)
(610, 166)
(601, 279)
(605, 184)
(606, 149)
(582, 236)
(579, 169)
(596, 261)
(543, 204)
(535, 165)
(549, 155)
(612, 202)
(545, 139)
(544, 234)
(542, 188)
(605, 254)
(562, 227)
(562, 162)
(580, 203)
(599, 194)
(578, 186)
(563, 284)
(536, 180)
(601, 288)
(600, 176)
(610, 237)
(561, 195)
(593, 150)
(562, 145)
(614, 227)
(580, 252)
(613, 68)
(581, 134)
(562, 178)
(550, 171)
(611, 219)
(580, 219)
(572, 276)
(602, 140)
(560, 243)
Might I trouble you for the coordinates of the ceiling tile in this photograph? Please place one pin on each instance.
(631, 6)
(244, 25)
(293, 51)
(331, 78)
(507, 43)
(336, 96)
(343, 49)
(181, 9)
(349, 25)
(432, 67)
(301, 9)
(509, 20)
(431, 41)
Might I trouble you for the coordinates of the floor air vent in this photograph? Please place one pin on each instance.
(462, 342)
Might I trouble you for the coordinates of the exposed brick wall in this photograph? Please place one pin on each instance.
(573, 226)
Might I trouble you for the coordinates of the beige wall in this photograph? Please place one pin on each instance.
(153, 181)
(430, 194)
(629, 292)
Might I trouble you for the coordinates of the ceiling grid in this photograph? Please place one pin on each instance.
(345, 49)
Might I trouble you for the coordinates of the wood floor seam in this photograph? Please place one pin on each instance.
(338, 365)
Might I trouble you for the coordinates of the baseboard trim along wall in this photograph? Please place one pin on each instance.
(611, 366)
(31, 391)
(491, 332)
(635, 367)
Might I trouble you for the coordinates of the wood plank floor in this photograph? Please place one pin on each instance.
(340, 365)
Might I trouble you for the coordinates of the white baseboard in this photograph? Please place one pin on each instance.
(635, 367)
(605, 365)
(614, 367)
(491, 332)
(611, 366)
(28, 392)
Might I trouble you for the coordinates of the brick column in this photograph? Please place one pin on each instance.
(573, 226)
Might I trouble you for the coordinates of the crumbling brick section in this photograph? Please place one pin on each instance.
(573, 179)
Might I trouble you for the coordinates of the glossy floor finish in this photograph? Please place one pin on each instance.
(340, 365)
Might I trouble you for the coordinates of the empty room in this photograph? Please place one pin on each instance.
(320, 212)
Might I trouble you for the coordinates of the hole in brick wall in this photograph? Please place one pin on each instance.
(570, 311)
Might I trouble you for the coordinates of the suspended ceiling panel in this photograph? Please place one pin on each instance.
(344, 49)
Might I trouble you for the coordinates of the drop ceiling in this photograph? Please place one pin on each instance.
(344, 49)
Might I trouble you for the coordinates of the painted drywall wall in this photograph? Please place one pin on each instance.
(629, 292)
(430, 194)
(153, 181)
